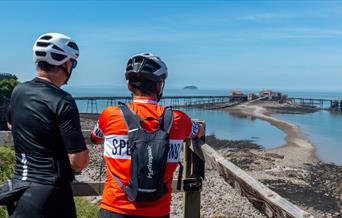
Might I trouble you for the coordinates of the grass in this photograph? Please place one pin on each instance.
(84, 208)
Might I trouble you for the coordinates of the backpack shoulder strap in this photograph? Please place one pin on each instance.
(166, 119)
(132, 120)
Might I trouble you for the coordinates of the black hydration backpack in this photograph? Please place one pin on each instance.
(149, 153)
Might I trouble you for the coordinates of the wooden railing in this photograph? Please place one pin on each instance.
(196, 154)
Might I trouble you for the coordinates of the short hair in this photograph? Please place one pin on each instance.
(143, 86)
(45, 66)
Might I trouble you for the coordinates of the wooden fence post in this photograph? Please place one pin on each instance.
(194, 167)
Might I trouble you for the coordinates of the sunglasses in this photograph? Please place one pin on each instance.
(74, 64)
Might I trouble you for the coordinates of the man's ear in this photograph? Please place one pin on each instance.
(160, 86)
(129, 85)
(66, 65)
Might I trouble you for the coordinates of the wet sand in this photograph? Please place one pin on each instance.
(297, 150)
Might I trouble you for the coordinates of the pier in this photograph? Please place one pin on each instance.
(323, 104)
(97, 103)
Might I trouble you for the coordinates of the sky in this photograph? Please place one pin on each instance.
(211, 44)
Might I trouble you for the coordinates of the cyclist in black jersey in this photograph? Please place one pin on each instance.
(45, 123)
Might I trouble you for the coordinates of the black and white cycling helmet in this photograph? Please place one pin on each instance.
(146, 65)
(55, 49)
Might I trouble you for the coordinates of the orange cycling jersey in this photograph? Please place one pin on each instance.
(112, 129)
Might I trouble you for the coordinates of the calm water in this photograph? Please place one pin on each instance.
(323, 128)
(227, 126)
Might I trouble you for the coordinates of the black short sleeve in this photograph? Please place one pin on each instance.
(68, 121)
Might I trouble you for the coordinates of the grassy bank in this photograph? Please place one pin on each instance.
(84, 208)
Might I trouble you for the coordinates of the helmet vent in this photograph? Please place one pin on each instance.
(138, 59)
(46, 37)
(129, 68)
(147, 69)
(57, 48)
(153, 65)
(43, 44)
(40, 53)
(73, 45)
(57, 57)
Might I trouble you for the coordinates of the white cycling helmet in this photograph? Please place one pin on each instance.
(55, 49)
(146, 65)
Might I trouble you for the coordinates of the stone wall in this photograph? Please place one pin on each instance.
(6, 138)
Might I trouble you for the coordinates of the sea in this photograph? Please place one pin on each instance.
(322, 128)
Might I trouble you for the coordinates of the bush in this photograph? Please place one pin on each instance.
(7, 162)
(6, 88)
(84, 208)
(6, 170)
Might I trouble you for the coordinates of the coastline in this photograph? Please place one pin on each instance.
(297, 148)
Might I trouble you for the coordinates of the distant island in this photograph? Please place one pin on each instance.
(191, 87)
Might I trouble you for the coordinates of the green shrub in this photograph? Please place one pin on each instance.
(6, 170)
(6, 87)
(3, 212)
(7, 162)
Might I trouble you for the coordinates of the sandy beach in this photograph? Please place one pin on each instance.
(298, 149)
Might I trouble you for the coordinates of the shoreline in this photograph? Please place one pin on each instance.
(297, 148)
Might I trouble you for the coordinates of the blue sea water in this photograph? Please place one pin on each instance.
(228, 126)
(324, 129)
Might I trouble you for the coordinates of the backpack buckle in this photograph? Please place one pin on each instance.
(193, 184)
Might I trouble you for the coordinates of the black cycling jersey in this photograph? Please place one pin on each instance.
(45, 127)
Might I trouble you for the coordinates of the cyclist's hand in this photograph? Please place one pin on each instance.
(201, 131)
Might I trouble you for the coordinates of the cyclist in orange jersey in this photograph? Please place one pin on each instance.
(146, 74)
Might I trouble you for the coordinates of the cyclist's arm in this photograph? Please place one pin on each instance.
(97, 135)
(78, 161)
(70, 129)
(200, 131)
(187, 127)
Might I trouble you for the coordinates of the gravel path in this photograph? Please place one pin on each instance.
(218, 199)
